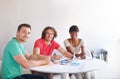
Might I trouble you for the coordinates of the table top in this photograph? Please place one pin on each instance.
(84, 66)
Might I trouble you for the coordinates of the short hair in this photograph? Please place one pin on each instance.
(23, 25)
(45, 29)
(73, 28)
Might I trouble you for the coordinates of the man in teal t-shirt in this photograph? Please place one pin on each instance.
(16, 57)
(12, 68)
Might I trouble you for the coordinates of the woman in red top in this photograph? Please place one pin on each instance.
(46, 44)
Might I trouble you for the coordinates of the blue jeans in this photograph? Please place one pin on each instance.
(30, 76)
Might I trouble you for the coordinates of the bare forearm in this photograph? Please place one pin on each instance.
(33, 63)
(28, 63)
(39, 57)
(68, 54)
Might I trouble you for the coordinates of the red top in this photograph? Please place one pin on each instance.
(44, 48)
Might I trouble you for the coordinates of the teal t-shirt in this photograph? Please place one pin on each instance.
(10, 68)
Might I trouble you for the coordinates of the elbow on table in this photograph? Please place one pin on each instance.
(26, 66)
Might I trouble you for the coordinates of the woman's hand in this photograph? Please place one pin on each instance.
(56, 57)
(68, 55)
(82, 55)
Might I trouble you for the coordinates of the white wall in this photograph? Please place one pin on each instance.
(98, 21)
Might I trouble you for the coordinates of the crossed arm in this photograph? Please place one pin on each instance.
(29, 60)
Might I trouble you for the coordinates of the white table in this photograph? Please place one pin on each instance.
(85, 66)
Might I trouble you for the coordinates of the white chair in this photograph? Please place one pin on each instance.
(89, 56)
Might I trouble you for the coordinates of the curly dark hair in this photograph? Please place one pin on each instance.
(73, 28)
(45, 29)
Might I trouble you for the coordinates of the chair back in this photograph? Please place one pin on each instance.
(88, 53)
